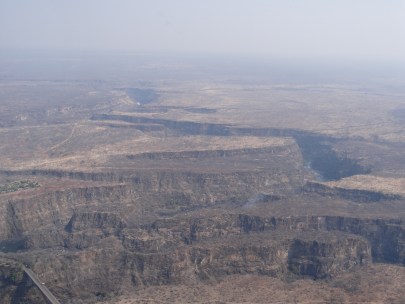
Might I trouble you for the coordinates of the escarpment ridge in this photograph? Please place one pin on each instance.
(115, 191)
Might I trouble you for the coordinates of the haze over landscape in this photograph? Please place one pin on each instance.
(363, 30)
(202, 151)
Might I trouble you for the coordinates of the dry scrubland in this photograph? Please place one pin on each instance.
(204, 192)
(372, 183)
(376, 284)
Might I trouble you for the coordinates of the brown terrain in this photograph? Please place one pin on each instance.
(196, 191)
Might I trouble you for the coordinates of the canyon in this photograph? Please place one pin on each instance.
(129, 192)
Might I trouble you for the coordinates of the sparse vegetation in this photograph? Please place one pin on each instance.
(198, 192)
(18, 185)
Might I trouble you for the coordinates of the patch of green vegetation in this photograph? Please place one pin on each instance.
(18, 185)
(10, 274)
(17, 276)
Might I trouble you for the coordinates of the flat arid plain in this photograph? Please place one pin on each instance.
(166, 182)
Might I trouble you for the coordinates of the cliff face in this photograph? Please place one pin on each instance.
(320, 259)
(357, 195)
(182, 127)
(174, 217)
(112, 256)
(143, 192)
(108, 267)
(52, 208)
(316, 148)
(386, 237)
(101, 220)
(98, 248)
(101, 194)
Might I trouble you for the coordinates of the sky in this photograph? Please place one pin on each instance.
(370, 29)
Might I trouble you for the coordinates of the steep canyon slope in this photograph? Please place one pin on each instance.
(135, 192)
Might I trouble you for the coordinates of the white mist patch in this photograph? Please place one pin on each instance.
(261, 198)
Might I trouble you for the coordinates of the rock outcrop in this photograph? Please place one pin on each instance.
(357, 195)
(319, 258)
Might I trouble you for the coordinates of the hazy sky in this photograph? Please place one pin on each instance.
(371, 29)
